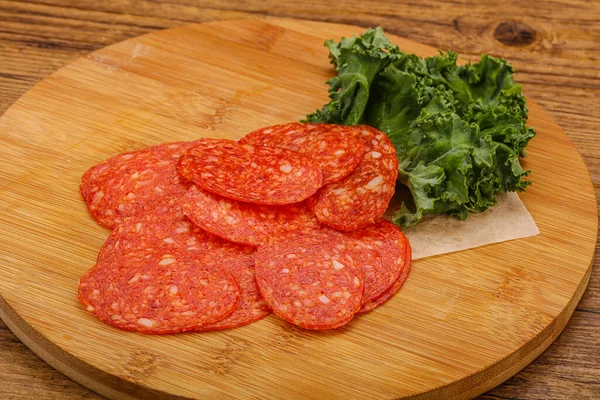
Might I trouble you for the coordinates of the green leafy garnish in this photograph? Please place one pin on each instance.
(458, 130)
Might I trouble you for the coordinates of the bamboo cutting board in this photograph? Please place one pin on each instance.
(463, 323)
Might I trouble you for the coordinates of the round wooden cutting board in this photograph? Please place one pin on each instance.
(463, 323)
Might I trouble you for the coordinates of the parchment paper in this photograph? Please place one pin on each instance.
(439, 234)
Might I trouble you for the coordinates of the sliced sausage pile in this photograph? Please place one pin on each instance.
(216, 234)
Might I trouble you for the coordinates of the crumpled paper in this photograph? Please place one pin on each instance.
(440, 234)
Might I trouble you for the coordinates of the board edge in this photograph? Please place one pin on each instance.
(105, 384)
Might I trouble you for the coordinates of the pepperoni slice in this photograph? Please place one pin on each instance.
(380, 249)
(394, 288)
(158, 292)
(118, 187)
(336, 149)
(161, 226)
(310, 280)
(363, 196)
(161, 223)
(251, 306)
(262, 175)
(246, 223)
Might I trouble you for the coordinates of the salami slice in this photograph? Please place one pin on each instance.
(246, 223)
(161, 224)
(262, 175)
(394, 288)
(336, 149)
(158, 292)
(251, 306)
(363, 196)
(118, 187)
(310, 281)
(380, 249)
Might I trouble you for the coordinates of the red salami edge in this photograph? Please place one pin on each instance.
(395, 287)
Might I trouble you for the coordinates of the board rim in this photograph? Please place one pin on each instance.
(47, 349)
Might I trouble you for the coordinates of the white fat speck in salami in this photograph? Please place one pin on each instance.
(118, 187)
(280, 177)
(309, 289)
(245, 223)
(336, 149)
(363, 196)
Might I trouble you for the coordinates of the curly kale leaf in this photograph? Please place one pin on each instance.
(458, 129)
(358, 61)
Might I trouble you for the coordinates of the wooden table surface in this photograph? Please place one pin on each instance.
(555, 46)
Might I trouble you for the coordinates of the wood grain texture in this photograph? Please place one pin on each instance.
(462, 324)
(558, 69)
